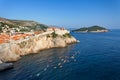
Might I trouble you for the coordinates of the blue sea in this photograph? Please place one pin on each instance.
(96, 57)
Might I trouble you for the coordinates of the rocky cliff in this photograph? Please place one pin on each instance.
(14, 50)
(17, 46)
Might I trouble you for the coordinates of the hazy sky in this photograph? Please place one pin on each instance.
(68, 13)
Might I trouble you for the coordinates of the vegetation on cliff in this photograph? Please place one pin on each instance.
(67, 35)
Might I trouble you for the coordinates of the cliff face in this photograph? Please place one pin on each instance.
(14, 50)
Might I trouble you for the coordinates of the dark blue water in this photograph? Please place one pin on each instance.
(96, 57)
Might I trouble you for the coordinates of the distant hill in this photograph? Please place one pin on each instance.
(91, 29)
(27, 24)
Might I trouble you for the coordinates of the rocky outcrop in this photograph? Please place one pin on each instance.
(14, 50)
(5, 66)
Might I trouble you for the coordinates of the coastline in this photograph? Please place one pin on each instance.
(98, 31)
(10, 52)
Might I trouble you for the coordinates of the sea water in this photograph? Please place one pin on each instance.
(96, 57)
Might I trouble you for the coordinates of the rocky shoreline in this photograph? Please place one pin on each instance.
(98, 31)
(91, 29)
(15, 50)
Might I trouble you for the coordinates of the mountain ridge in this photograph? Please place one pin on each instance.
(24, 23)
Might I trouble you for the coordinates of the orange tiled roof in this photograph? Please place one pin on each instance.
(5, 37)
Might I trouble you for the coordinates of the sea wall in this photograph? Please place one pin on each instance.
(16, 49)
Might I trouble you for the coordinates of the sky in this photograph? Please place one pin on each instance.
(64, 13)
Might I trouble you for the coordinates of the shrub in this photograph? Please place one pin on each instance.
(22, 44)
(54, 35)
(24, 30)
(67, 35)
(48, 36)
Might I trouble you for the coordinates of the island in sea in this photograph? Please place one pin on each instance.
(22, 37)
(91, 29)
